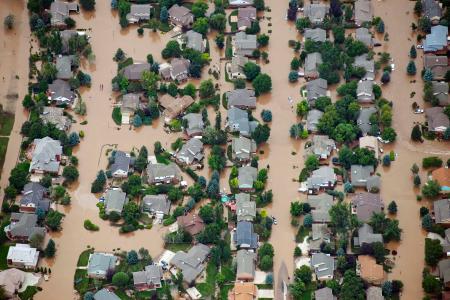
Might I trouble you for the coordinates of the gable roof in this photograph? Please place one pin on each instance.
(130, 103)
(181, 16)
(316, 34)
(191, 263)
(363, 11)
(33, 194)
(156, 203)
(366, 204)
(244, 44)
(437, 63)
(60, 11)
(61, 92)
(322, 177)
(316, 88)
(437, 119)
(359, 175)
(152, 275)
(363, 35)
(122, 161)
(134, 71)
(442, 211)
(316, 12)
(437, 39)
(324, 294)
(320, 207)
(363, 120)
(431, 9)
(55, 116)
(366, 236)
(243, 98)
(46, 154)
(243, 291)
(245, 261)
(312, 119)
(161, 172)
(243, 147)
(321, 146)
(440, 91)
(191, 151)
(24, 226)
(364, 91)
(175, 106)
(195, 124)
(195, 41)
(12, 280)
(247, 176)
(99, 263)
(191, 223)
(363, 61)
(312, 62)
(139, 12)
(246, 15)
(374, 293)
(105, 294)
(323, 265)
(370, 270)
(238, 120)
(115, 199)
(245, 209)
(64, 66)
(245, 236)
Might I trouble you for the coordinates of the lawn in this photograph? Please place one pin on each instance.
(28, 293)
(6, 123)
(178, 247)
(3, 253)
(302, 233)
(233, 25)
(223, 294)
(84, 258)
(81, 281)
(3, 147)
(122, 295)
(208, 287)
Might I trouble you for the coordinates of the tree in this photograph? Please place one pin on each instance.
(87, 4)
(430, 283)
(413, 52)
(392, 207)
(261, 134)
(251, 70)
(149, 80)
(263, 39)
(428, 75)
(74, 139)
(345, 133)
(131, 212)
(386, 77)
(308, 221)
(53, 220)
(302, 108)
(411, 68)
(416, 133)
(431, 189)
(431, 162)
(302, 23)
(141, 161)
(266, 115)
(380, 27)
(433, 252)
(207, 89)
(424, 24)
(293, 76)
(297, 289)
(218, 22)
(206, 212)
(303, 274)
(340, 217)
(415, 168)
(50, 249)
(427, 222)
(199, 8)
(335, 8)
(132, 257)
(36, 240)
(220, 40)
(262, 84)
(70, 174)
(418, 7)
(295, 63)
(259, 4)
(9, 22)
(266, 263)
(338, 34)
(389, 134)
(292, 10)
(352, 287)
(70, 23)
(164, 14)
(19, 175)
(172, 49)
(201, 25)
(120, 279)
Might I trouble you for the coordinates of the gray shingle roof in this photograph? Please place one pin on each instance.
(245, 264)
(374, 293)
(105, 294)
(363, 34)
(181, 16)
(245, 208)
(367, 64)
(312, 62)
(191, 152)
(324, 177)
(55, 115)
(191, 263)
(237, 65)
(46, 155)
(363, 11)
(364, 91)
(195, 41)
(431, 9)
(34, 194)
(364, 119)
(115, 199)
(316, 34)
(316, 12)
(64, 67)
(324, 294)
(444, 270)
(246, 15)
(134, 71)
(60, 11)
(159, 173)
(152, 276)
(442, 211)
(139, 12)
(316, 88)
(359, 175)
(312, 119)
(156, 204)
(247, 176)
(438, 65)
(320, 206)
(437, 120)
(99, 263)
(244, 44)
(242, 98)
(366, 236)
(245, 237)
(60, 92)
(366, 204)
(323, 265)
(130, 103)
(242, 148)
(122, 161)
(320, 234)
(24, 225)
(195, 124)
(321, 146)
(238, 121)
(440, 91)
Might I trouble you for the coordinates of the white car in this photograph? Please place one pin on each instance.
(393, 67)
(419, 46)
(418, 111)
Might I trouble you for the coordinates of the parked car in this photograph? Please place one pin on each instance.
(419, 46)
(418, 111)
(335, 161)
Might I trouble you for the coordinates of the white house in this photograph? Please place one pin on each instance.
(22, 256)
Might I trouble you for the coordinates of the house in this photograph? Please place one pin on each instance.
(432, 10)
(236, 68)
(321, 146)
(366, 236)
(244, 44)
(369, 142)
(359, 175)
(149, 279)
(191, 264)
(60, 92)
(64, 67)
(66, 35)
(34, 198)
(130, 103)
(121, 165)
(173, 107)
(243, 290)
(373, 184)
(245, 237)
(364, 205)
(315, 89)
(239, 3)
(194, 124)
(315, 35)
(437, 120)
(324, 294)
(312, 120)
(247, 176)
(374, 293)
(440, 91)
(194, 40)
(115, 199)
(246, 16)
(241, 98)
(60, 11)
(238, 121)
(12, 281)
(55, 116)
(363, 61)
(363, 120)
(138, 13)
(179, 70)
(370, 271)
(446, 245)
(363, 12)
(181, 16)
(323, 265)
(22, 256)
(321, 179)
(312, 63)
(191, 152)
(442, 176)
(158, 205)
(100, 263)
(242, 149)
(245, 209)
(436, 42)
(320, 206)
(442, 211)
(437, 64)
(105, 294)
(316, 12)
(364, 91)
(444, 271)
(191, 223)
(23, 227)
(45, 155)
(320, 234)
(134, 72)
(161, 173)
(363, 35)
(245, 261)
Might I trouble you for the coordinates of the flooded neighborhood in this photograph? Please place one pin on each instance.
(224, 149)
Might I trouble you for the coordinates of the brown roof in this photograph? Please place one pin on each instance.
(442, 175)
(437, 64)
(175, 106)
(437, 120)
(370, 270)
(243, 291)
(191, 223)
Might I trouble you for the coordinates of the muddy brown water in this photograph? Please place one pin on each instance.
(101, 132)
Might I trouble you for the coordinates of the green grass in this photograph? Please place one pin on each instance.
(28, 293)
(117, 115)
(3, 254)
(3, 147)
(164, 27)
(81, 281)
(163, 158)
(6, 123)
(223, 294)
(178, 247)
(301, 234)
(265, 286)
(208, 287)
(233, 25)
(229, 273)
(84, 258)
(144, 295)
(122, 295)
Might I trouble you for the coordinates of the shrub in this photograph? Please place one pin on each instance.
(266, 115)
(411, 68)
(9, 21)
(140, 31)
(293, 76)
(431, 162)
(120, 279)
(117, 115)
(392, 207)
(88, 225)
(87, 4)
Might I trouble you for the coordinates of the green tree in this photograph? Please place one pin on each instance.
(9, 22)
(189, 90)
(220, 40)
(431, 189)
(418, 7)
(218, 22)
(340, 217)
(433, 252)
(416, 133)
(207, 89)
(50, 249)
(251, 70)
(413, 52)
(259, 4)
(302, 23)
(352, 287)
(262, 84)
(297, 289)
(201, 25)
(302, 108)
(149, 80)
(430, 283)
(392, 207)
(389, 134)
(53, 220)
(411, 68)
(427, 222)
(70, 174)
(380, 27)
(263, 39)
(87, 4)
(131, 212)
(428, 75)
(164, 14)
(303, 274)
(120, 279)
(261, 134)
(199, 8)
(19, 175)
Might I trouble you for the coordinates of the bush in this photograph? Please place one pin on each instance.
(262, 84)
(293, 76)
(411, 68)
(266, 115)
(117, 116)
(70, 174)
(88, 225)
(87, 4)
(392, 207)
(140, 31)
(431, 162)
(9, 21)
(433, 252)
(120, 279)
(50, 249)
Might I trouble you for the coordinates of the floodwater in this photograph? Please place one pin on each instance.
(101, 132)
